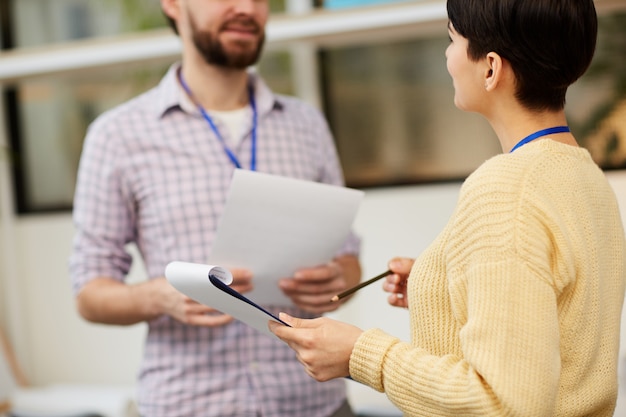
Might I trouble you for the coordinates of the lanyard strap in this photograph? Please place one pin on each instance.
(540, 133)
(231, 155)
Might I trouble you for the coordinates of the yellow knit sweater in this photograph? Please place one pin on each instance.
(515, 308)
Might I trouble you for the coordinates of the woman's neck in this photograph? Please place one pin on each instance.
(518, 125)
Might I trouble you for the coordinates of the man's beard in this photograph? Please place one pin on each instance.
(213, 51)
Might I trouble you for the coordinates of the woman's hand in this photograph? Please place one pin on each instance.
(322, 345)
(396, 283)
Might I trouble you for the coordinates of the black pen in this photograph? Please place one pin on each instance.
(358, 287)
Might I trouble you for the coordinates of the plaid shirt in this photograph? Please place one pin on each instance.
(153, 173)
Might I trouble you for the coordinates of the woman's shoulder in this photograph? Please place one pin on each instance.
(532, 167)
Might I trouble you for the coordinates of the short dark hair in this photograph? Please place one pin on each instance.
(549, 43)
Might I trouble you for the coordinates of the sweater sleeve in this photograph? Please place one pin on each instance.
(510, 353)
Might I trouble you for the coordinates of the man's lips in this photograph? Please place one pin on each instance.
(242, 28)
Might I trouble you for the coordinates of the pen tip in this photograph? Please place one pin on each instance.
(335, 298)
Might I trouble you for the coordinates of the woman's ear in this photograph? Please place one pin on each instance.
(494, 71)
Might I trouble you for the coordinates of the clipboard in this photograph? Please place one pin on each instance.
(209, 285)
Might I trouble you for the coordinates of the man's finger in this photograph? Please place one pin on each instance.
(212, 320)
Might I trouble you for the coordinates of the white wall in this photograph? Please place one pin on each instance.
(58, 346)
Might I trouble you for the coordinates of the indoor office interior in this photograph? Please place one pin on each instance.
(375, 68)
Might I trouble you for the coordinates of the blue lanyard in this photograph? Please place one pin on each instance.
(227, 150)
(544, 132)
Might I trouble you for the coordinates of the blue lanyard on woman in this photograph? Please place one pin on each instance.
(227, 150)
(540, 133)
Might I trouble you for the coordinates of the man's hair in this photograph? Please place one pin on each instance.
(549, 43)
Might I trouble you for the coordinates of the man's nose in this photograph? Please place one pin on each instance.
(246, 6)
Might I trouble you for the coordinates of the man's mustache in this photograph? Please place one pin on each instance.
(242, 23)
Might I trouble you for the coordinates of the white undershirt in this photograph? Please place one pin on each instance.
(237, 123)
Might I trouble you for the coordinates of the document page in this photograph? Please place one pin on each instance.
(275, 225)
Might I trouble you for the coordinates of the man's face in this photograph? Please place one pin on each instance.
(228, 33)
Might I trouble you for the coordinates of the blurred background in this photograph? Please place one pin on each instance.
(375, 68)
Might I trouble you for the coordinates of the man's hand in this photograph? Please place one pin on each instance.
(110, 301)
(312, 288)
(188, 311)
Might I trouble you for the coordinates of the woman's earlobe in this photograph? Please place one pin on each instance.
(488, 79)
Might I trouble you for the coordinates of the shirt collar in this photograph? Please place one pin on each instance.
(172, 96)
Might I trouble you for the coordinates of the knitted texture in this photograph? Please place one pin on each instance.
(515, 308)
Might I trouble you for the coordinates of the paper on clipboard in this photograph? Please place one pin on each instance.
(275, 225)
(208, 285)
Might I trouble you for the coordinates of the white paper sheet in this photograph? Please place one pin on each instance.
(275, 225)
(194, 281)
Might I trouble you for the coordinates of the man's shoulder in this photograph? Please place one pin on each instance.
(123, 121)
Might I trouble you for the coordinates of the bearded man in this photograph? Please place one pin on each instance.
(155, 171)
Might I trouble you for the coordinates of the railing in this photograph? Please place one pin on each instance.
(321, 27)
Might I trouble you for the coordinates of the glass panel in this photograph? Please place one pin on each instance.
(391, 108)
(50, 116)
(597, 102)
(54, 115)
(276, 69)
(340, 4)
(39, 22)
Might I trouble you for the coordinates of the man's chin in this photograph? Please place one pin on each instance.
(236, 54)
(242, 57)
